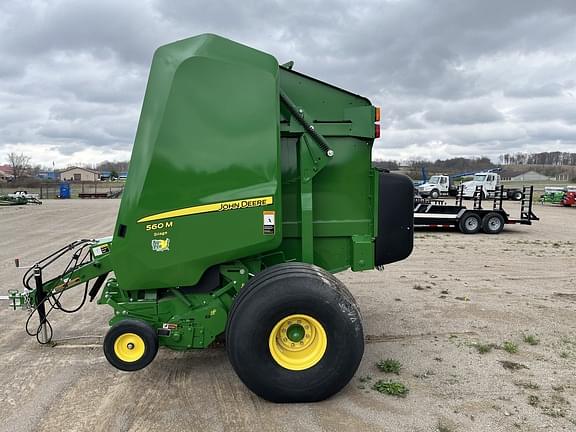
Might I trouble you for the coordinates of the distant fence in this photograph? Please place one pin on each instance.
(51, 190)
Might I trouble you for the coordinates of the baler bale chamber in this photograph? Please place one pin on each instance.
(250, 184)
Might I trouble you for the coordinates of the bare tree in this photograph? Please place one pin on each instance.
(19, 163)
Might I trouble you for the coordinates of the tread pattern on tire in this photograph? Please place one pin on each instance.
(284, 383)
(150, 339)
(287, 268)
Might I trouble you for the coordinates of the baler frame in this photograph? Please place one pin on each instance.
(197, 263)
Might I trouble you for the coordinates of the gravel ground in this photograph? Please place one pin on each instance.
(436, 313)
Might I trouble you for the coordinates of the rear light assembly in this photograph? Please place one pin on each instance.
(377, 119)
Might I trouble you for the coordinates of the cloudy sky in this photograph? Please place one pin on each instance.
(453, 77)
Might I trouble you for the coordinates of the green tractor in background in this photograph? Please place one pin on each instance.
(553, 195)
(250, 185)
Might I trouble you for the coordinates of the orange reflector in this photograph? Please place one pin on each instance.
(377, 114)
(376, 131)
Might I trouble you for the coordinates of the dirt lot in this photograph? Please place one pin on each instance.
(444, 313)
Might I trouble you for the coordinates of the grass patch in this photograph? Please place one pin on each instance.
(512, 365)
(564, 354)
(483, 348)
(510, 347)
(392, 388)
(365, 378)
(418, 287)
(389, 366)
(531, 339)
(533, 400)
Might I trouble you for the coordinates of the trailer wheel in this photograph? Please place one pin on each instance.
(294, 334)
(130, 345)
(517, 196)
(434, 194)
(469, 223)
(493, 223)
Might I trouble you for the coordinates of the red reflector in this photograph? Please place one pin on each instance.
(376, 131)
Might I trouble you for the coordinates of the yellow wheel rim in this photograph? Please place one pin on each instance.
(297, 342)
(129, 347)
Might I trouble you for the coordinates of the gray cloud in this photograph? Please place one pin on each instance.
(464, 113)
(454, 78)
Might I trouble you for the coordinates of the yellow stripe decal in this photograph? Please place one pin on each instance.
(209, 208)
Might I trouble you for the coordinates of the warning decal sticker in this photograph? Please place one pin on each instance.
(269, 222)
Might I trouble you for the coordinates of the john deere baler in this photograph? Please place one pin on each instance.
(250, 184)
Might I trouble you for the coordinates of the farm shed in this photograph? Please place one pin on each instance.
(77, 174)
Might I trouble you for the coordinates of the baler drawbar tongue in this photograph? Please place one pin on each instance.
(42, 297)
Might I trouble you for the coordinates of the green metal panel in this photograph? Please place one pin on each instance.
(208, 134)
(343, 198)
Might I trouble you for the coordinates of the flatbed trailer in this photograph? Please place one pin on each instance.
(429, 213)
(93, 195)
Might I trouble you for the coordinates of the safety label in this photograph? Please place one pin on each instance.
(100, 250)
(169, 326)
(269, 222)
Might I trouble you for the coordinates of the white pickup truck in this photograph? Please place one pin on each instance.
(490, 182)
(436, 186)
(443, 185)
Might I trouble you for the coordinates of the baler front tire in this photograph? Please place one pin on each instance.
(278, 367)
(130, 345)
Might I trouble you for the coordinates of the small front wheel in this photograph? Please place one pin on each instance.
(130, 345)
(469, 223)
(493, 223)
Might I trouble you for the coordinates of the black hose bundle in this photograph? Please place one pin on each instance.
(80, 256)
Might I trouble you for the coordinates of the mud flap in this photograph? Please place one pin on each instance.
(395, 219)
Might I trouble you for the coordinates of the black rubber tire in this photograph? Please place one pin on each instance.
(517, 196)
(280, 291)
(493, 223)
(145, 331)
(434, 194)
(470, 223)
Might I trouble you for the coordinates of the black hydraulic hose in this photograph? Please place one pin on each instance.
(80, 257)
(45, 262)
(58, 305)
(70, 268)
